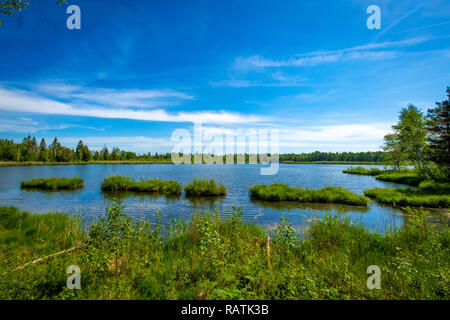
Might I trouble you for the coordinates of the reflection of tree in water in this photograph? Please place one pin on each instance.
(287, 205)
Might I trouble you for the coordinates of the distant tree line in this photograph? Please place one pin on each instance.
(30, 151)
(370, 156)
(422, 139)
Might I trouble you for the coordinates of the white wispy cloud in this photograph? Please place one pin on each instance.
(362, 52)
(114, 97)
(325, 138)
(24, 101)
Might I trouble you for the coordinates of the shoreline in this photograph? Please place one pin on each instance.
(38, 163)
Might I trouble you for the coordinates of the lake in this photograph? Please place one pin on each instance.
(90, 202)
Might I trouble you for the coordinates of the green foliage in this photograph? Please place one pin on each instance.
(282, 192)
(53, 183)
(204, 187)
(438, 129)
(123, 183)
(285, 235)
(408, 142)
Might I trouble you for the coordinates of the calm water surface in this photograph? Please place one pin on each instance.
(91, 202)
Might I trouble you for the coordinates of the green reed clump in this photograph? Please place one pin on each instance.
(409, 177)
(222, 257)
(53, 183)
(436, 187)
(364, 171)
(123, 183)
(204, 187)
(430, 196)
(282, 192)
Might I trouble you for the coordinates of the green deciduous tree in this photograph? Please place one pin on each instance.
(409, 138)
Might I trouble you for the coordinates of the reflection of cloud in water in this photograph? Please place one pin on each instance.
(317, 207)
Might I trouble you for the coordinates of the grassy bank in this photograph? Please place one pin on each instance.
(53, 183)
(404, 176)
(330, 162)
(213, 258)
(40, 163)
(363, 171)
(204, 187)
(408, 177)
(123, 183)
(282, 192)
(429, 194)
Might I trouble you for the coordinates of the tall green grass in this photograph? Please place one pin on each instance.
(213, 257)
(123, 183)
(53, 183)
(429, 196)
(363, 171)
(405, 177)
(204, 187)
(282, 192)
(25, 236)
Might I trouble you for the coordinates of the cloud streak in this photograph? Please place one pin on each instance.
(363, 52)
(24, 101)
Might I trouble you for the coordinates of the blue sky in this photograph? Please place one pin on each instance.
(137, 70)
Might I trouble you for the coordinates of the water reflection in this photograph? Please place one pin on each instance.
(110, 195)
(329, 207)
(90, 202)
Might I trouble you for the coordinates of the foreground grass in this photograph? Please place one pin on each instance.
(205, 187)
(282, 192)
(429, 194)
(25, 237)
(53, 183)
(213, 258)
(123, 183)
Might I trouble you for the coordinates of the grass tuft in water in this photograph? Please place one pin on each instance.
(205, 187)
(53, 183)
(123, 183)
(282, 192)
(430, 194)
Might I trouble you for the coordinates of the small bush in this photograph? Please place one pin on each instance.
(205, 187)
(53, 183)
(282, 192)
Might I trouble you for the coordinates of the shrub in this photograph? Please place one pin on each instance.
(205, 187)
(53, 183)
